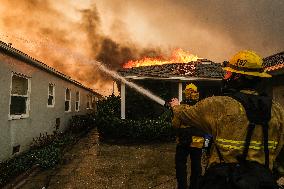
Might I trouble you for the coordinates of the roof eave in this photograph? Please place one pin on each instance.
(173, 78)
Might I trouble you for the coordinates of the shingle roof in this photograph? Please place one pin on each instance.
(274, 62)
(8, 49)
(202, 68)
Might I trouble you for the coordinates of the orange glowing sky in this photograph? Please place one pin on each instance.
(116, 31)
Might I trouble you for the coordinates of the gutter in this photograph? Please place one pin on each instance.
(174, 78)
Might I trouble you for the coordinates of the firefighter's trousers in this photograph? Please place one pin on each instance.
(182, 152)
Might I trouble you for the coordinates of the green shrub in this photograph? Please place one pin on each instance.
(110, 126)
(46, 156)
(79, 123)
(109, 107)
(46, 151)
(141, 130)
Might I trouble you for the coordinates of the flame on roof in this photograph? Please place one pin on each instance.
(178, 56)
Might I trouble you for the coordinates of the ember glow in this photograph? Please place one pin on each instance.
(178, 56)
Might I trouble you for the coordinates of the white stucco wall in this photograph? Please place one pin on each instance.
(41, 118)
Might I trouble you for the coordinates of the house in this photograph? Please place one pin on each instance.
(274, 65)
(35, 99)
(206, 74)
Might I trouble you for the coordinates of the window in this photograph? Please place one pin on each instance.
(77, 103)
(89, 102)
(67, 100)
(20, 97)
(51, 95)
(94, 101)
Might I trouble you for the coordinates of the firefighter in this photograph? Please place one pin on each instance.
(190, 141)
(246, 125)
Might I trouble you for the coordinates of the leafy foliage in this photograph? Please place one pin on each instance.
(110, 126)
(45, 156)
(79, 123)
(139, 130)
(109, 107)
(46, 150)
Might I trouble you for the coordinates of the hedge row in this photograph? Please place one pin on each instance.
(110, 126)
(140, 130)
(46, 157)
(46, 150)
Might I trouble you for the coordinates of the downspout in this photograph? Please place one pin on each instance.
(180, 91)
(122, 102)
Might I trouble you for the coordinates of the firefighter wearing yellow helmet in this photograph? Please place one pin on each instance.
(190, 141)
(191, 92)
(248, 63)
(247, 127)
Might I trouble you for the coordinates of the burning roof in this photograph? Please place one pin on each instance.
(181, 64)
(201, 68)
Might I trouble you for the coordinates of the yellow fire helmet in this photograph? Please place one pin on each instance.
(248, 63)
(191, 86)
(191, 92)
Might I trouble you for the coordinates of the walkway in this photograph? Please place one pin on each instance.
(95, 165)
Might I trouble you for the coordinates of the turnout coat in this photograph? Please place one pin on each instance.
(225, 119)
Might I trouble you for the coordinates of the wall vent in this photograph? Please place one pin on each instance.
(16, 149)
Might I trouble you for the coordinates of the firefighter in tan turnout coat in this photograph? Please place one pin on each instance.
(247, 127)
(190, 141)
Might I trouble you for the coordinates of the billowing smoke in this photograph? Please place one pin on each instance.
(45, 29)
(115, 31)
(210, 29)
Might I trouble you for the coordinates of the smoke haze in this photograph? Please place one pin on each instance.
(211, 29)
(115, 31)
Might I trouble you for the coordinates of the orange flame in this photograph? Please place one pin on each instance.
(178, 56)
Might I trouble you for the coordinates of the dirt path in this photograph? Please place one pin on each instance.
(95, 165)
(91, 164)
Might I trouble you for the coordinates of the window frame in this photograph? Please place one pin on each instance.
(94, 101)
(77, 109)
(70, 108)
(51, 106)
(27, 96)
(89, 102)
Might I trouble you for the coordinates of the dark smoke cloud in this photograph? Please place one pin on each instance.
(42, 21)
(114, 55)
(115, 31)
(211, 29)
(106, 50)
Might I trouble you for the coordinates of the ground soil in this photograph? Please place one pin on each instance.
(92, 164)
(97, 165)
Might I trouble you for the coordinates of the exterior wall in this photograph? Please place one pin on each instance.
(41, 118)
